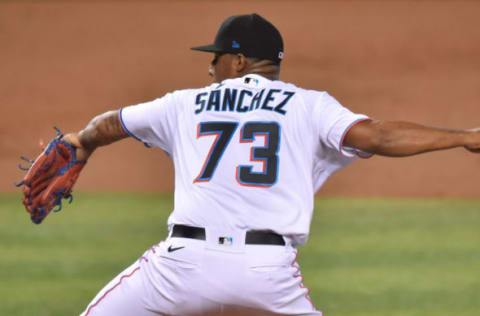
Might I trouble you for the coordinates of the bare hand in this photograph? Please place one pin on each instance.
(474, 144)
(73, 139)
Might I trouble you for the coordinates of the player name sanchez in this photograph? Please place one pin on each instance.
(242, 101)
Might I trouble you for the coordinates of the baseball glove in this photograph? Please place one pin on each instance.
(50, 178)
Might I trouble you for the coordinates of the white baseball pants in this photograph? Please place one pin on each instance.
(182, 276)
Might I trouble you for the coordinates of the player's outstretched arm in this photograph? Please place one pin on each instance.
(399, 139)
(102, 130)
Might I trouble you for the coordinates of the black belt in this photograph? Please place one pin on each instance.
(252, 237)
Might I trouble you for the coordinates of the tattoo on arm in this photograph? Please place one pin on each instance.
(102, 130)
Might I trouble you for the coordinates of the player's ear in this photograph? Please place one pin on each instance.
(239, 63)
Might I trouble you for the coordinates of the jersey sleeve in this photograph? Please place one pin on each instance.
(334, 121)
(152, 123)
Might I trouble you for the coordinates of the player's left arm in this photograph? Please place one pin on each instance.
(102, 130)
(400, 139)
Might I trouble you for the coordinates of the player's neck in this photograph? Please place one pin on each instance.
(268, 75)
(264, 68)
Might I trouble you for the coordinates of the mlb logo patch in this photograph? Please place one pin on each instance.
(251, 80)
(235, 44)
(227, 241)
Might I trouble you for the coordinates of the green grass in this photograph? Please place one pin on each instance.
(364, 256)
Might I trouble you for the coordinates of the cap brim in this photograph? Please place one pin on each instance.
(207, 48)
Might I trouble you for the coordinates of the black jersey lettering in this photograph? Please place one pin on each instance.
(269, 98)
(279, 107)
(214, 101)
(229, 98)
(200, 101)
(240, 107)
(235, 100)
(256, 100)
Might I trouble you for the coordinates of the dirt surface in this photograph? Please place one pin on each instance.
(63, 62)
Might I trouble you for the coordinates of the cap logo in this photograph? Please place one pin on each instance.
(235, 44)
(280, 55)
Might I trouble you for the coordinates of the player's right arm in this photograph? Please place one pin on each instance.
(102, 130)
(400, 139)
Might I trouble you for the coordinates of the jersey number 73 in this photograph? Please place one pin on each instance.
(267, 154)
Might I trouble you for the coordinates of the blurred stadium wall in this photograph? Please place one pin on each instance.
(63, 62)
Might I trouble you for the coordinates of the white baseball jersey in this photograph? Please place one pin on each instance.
(249, 153)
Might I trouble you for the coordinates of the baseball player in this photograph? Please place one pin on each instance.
(249, 152)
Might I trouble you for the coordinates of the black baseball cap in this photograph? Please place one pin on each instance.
(250, 35)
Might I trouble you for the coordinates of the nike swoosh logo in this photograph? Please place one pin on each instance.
(171, 249)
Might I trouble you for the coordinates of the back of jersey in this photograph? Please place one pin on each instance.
(249, 153)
